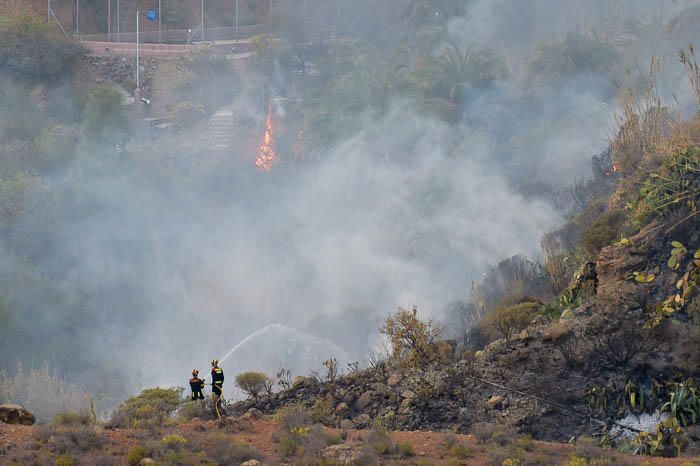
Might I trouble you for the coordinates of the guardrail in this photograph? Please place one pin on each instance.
(180, 36)
(129, 48)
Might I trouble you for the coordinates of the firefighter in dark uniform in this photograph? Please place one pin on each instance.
(217, 383)
(197, 385)
(217, 378)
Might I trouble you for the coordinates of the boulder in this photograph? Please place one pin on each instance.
(557, 331)
(251, 463)
(363, 420)
(342, 409)
(16, 414)
(341, 454)
(394, 379)
(252, 414)
(347, 424)
(300, 382)
(363, 401)
(147, 461)
(495, 402)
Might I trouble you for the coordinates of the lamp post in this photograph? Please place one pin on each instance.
(119, 35)
(109, 20)
(202, 22)
(77, 19)
(138, 57)
(236, 22)
(160, 41)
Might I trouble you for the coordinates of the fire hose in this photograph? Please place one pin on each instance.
(218, 399)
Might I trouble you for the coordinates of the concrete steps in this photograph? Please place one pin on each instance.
(221, 129)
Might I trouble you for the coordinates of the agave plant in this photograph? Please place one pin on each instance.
(684, 404)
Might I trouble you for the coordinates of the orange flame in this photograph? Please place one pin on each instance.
(266, 154)
(615, 169)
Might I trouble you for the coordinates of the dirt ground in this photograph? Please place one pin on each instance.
(428, 447)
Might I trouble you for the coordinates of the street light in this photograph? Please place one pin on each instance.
(202, 22)
(138, 63)
(119, 35)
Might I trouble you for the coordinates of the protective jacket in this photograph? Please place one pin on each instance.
(217, 380)
(197, 385)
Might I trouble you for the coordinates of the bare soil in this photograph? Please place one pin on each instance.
(427, 447)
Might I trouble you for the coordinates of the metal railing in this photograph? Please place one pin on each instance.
(180, 36)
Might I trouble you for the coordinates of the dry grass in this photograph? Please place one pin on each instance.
(643, 125)
(42, 392)
(687, 57)
(557, 263)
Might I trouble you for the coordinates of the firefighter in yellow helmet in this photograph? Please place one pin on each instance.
(217, 383)
(197, 385)
(217, 378)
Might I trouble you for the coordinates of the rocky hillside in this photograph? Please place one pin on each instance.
(560, 377)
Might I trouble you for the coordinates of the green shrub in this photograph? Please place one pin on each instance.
(200, 409)
(20, 116)
(294, 426)
(173, 441)
(552, 310)
(288, 445)
(136, 454)
(56, 146)
(293, 417)
(72, 419)
(252, 383)
(509, 320)
(151, 408)
(185, 114)
(381, 441)
(223, 451)
(33, 50)
(211, 80)
(65, 460)
(673, 187)
(75, 440)
(525, 442)
(105, 118)
(322, 411)
(406, 450)
(461, 451)
(412, 339)
(606, 229)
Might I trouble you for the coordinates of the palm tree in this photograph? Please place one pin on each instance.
(684, 25)
(643, 39)
(578, 54)
(366, 85)
(444, 83)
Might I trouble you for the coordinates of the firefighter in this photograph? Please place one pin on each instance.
(217, 383)
(197, 385)
(217, 378)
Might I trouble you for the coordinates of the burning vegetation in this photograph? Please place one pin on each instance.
(266, 153)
